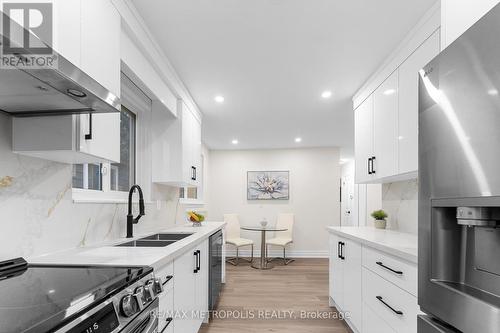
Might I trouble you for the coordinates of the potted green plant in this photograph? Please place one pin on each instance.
(380, 216)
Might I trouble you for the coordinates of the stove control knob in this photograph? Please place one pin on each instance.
(129, 305)
(149, 291)
(158, 286)
(140, 296)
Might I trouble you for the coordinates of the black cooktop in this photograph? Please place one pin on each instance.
(40, 298)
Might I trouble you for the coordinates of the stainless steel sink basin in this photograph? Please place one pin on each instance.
(147, 243)
(167, 237)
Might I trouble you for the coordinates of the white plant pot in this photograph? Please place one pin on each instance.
(380, 224)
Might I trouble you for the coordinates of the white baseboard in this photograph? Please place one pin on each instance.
(279, 253)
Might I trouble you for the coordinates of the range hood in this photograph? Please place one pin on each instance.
(63, 89)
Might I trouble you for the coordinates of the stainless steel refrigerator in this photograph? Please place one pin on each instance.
(459, 184)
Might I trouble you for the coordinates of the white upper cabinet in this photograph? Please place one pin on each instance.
(69, 139)
(386, 108)
(408, 103)
(459, 15)
(385, 128)
(100, 43)
(87, 33)
(176, 147)
(363, 140)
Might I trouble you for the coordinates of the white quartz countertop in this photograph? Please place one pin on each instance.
(108, 254)
(400, 244)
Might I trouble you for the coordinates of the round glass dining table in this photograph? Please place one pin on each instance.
(262, 264)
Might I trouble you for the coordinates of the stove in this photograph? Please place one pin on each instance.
(77, 299)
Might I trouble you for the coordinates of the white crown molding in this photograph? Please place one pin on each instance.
(136, 28)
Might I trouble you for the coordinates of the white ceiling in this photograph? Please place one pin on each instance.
(271, 60)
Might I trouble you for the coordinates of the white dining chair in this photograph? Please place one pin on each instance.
(283, 238)
(233, 238)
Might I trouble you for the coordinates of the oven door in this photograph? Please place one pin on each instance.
(145, 322)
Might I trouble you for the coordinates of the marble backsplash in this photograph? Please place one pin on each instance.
(38, 214)
(400, 201)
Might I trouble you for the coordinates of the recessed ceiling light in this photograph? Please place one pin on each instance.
(326, 94)
(219, 99)
(493, 92)
(389, 92)
(234, 142)
(298, 140)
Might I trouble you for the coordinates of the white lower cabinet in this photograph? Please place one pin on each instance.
(166, 304)
(373, 323)
(345, 270)
(374, 290)
(191, 289)
(394, 305)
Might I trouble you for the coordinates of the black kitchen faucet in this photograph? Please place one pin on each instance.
(131, 220)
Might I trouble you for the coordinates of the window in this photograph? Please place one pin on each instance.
(87, 176)
(110, 183)
(123, 173)
(118, 176)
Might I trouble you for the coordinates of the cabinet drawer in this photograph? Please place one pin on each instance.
(372, 323)
(401, 273)
(166, 308)
(395, 306)
(166, 276)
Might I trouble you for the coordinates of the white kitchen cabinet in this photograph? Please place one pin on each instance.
(459, 15)
(191, 288)
(363, 140)
(346, 282)
(372, 323)
(185, 292)
(385, 128)
(201, 282)
(87, 33)
(376, 288)
(176, 147)
(166, 298)
(69, 139)
(408, 103)
(100, 43)
(336, 278)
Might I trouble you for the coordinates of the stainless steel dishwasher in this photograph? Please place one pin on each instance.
(215, 274)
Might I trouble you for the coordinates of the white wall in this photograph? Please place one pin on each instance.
(38, 214)
(314, 192)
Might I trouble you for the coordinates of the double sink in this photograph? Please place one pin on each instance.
(156, 240)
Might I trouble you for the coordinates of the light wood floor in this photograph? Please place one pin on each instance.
(285, 291)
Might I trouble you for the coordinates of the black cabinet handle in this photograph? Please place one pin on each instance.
(199, 260)
(88, 136)
(342, 250)
(370, 166)
(373, 168)
(168, 320)
(390, 307)
(388, 268)
(196, 262)
(167, 278)
(193, 173)
(338, 250)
